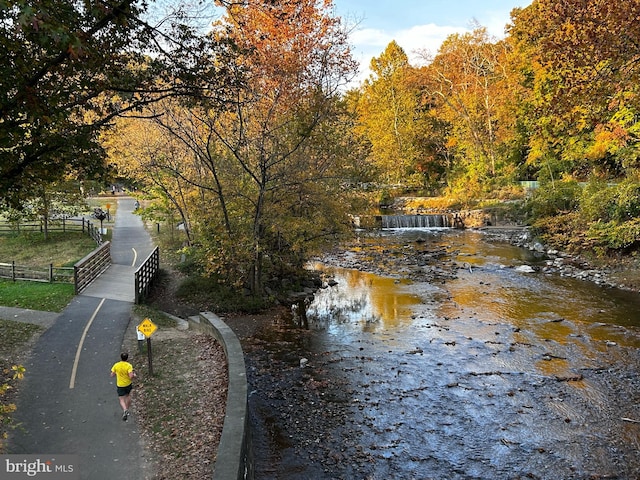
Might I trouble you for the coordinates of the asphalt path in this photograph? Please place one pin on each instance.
(68, 402)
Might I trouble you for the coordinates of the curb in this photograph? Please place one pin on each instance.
(234, 460)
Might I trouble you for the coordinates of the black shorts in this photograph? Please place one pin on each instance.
(122, 391)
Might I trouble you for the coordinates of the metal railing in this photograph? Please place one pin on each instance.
(146, 274)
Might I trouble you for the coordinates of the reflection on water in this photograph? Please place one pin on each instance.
(493, 374)
(361, 299)
(488, 289)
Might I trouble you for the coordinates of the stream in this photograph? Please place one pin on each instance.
(437, 354)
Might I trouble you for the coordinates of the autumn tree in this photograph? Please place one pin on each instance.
(580, 64)
(387, 113)
(262, 153)
(274, 139)
(67, 70)
(142, 152)
(469, 86)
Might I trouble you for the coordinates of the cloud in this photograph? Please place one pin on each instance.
(369, 43)
(424, 37)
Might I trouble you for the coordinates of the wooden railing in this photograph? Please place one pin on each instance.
(91, 266)
(146, 274)
(49, 273)
(57, 225)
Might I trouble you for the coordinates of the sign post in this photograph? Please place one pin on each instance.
(147, 328)
(141, 339)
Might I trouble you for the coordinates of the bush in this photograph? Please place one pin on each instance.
(563, 231)
(217, 296)
(597, 201)
(614, 236)
(627, 205)
(555, 197)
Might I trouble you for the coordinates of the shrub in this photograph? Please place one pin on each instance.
(563, 231)
(627, 205)
(555, 197)
(614, 235)
(597, 201)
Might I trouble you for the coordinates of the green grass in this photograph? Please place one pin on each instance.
(60, 249)
(48, 297)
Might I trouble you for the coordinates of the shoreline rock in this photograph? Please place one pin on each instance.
(560, 263)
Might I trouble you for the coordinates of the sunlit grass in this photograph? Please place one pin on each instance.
(48, 297)
(32, 249)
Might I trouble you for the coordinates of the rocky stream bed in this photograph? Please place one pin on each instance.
(454, 392)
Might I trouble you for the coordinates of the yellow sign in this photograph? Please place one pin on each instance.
(147, 327)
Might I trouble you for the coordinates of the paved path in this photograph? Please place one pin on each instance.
(68, 402)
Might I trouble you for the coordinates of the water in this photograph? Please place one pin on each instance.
(416, 221)
(492, 374)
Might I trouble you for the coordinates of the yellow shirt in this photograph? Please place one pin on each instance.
(122, 371)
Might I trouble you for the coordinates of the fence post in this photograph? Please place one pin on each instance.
(13, 270)
(75, 278)
(51, 273)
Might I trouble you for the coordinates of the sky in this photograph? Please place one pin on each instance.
(417, 24)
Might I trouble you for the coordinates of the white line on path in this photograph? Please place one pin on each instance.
(72, 383)
(135, 257)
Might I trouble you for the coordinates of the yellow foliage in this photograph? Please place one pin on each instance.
(608, 139)
(18, 372)
(426, 203)
(9, 408)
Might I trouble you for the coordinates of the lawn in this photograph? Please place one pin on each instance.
(32, 249)
(47, 297)
(60, 249)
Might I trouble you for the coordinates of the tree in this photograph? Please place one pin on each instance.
(261, 157)
(294, 57)
(583, 84)
(67, 70)
(387, 112)
(469, 87)
(141, 151)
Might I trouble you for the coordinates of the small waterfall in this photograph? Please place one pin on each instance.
(417, 221)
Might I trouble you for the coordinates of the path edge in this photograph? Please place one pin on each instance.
(234, 459)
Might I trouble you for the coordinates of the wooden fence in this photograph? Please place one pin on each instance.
(91, 266)
(49, 274)
(145, 274)
(57, 225)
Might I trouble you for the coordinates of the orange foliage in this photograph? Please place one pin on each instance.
(283, 39)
